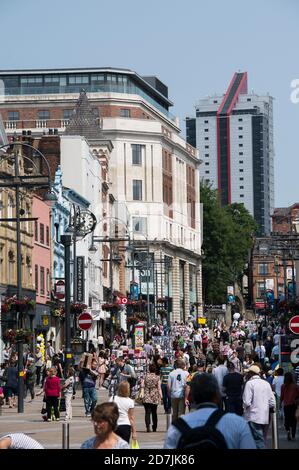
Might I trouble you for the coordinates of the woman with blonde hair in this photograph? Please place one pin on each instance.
(126, 421)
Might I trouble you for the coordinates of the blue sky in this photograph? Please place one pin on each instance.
(194, 46)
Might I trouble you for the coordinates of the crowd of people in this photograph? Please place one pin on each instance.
(228, 379)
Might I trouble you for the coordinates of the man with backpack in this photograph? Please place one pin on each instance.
(208, 427)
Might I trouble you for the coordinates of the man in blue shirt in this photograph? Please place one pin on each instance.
(205, 392)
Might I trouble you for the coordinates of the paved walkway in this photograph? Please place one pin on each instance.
(49, 434)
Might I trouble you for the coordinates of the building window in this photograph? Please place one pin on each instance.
(207, 172)
(207, 146)
(263, 268)
(43, 115)
(137, 151)
(36, 231)
(240, 128)
(241, 195)
(206, 130)
(241, 153)
(140, 225)
(240, 119)
(215, 101)
(240, 145)
(47, 236)
(13, 115)
(78, 79)
(42, 233)
(207, 154)
(241, 170)
(206, 122)
(137, 190)
(48, 282)
(248, 99)
(124, 112)
(206, 138)
(206, 163)
(36, 277)
(241, 179)
(31, 80)
(42, 280)
(68, 113)
(261, 290)
(240, 137)
(241, 161)
(241, 187)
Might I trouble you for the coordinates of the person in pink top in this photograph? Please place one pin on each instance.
(52, 393)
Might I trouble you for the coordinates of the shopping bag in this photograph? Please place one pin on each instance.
(140, 396)
(134, 444)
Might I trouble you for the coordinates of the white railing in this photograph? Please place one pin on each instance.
(41, 124)
(10, 124)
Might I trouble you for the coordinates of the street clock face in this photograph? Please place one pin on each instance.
(86, 222)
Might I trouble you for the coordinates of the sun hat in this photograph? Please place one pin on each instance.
(254, 369)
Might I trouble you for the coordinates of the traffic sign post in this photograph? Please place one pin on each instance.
(294, 325)
(84, 321)
(60, 290)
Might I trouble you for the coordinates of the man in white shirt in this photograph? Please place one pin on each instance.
(258, 398)
(100, 342)
(220, 371)
(177, 382)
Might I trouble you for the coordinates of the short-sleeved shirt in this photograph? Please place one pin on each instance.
(120, 444)
(21, 441)
(164, 373)
(177, 382)
(124, 404)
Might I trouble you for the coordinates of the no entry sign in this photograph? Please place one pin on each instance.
(84, 321)
(294, 325)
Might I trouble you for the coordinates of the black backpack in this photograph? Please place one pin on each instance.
(202, 437)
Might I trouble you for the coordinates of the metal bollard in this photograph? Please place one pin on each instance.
(65, 435)
(168, 420)
(274, 430)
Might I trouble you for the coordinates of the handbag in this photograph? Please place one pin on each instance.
(106, 383)
(134, 444)
(62, 406)
(140, 396)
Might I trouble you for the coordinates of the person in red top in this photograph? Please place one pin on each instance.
(289, 395)
(52, 393)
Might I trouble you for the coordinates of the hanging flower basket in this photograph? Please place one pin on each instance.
(18, 335)
(110, 307)
(58, 312)
(77, 307)
(13, 303)
(162, 311)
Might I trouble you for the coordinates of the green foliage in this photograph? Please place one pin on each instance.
(227, 239)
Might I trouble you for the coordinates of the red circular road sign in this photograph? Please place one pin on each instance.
(124, 300)
(294, 325)
(84, 321)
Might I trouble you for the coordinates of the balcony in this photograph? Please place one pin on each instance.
(40, 124)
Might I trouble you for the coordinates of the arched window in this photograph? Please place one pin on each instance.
(10, 207)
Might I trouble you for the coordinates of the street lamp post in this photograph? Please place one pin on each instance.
(66, 240)
(27, 181)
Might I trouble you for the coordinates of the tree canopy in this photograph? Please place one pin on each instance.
(227, 239)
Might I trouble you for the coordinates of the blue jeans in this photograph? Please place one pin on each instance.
(166, 398)
(257, 434)
(90, 399)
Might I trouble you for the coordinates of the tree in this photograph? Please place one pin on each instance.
(227, 238)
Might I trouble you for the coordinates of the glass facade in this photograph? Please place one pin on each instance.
(73, 83)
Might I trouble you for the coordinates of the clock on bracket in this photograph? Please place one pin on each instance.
(86, 222)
